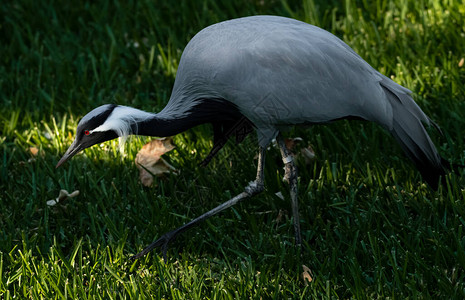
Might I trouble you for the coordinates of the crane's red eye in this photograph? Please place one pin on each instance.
(86, 132)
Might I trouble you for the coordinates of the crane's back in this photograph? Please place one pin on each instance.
(279, 71)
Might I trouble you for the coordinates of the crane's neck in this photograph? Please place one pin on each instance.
(174, 119)
(161, 125)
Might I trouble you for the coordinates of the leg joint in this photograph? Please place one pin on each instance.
(254, 187)
(290, 172)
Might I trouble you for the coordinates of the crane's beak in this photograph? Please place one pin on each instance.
(72, 150)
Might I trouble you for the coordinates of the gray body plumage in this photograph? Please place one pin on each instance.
(280, 72)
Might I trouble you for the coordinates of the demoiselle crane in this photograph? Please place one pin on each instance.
(264, 73)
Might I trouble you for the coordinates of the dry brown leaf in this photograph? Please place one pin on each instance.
(149, 160)
(62, 196)
(34, 151)
(306, 275)
(461, 62)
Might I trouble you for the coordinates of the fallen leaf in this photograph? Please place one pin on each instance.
(62, 196)
(34, 151)
(306, 275)
(149, 160)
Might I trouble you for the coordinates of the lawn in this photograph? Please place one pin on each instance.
(371, 227)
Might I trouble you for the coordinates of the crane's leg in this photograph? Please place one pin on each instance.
(254, 187)
(290, 176)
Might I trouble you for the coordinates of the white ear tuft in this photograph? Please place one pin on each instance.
(121, 141)
(121, 121)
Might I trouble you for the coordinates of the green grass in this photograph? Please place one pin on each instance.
(371, 228)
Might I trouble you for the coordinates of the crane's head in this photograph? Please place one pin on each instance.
(105, 123)
(94, 128)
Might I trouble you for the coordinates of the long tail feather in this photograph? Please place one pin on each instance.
(408, 128)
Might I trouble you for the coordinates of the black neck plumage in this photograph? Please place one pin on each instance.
(204, 111)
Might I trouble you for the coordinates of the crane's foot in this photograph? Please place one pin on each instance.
(162, 243)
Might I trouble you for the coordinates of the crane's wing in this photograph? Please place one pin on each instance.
(282, 71)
